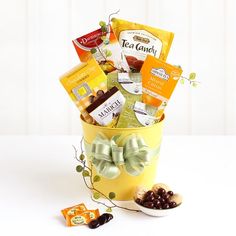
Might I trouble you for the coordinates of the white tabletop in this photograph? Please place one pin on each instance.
(38, 179)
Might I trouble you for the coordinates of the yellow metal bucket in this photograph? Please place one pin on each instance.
(125, 184)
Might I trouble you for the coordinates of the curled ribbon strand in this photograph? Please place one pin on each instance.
(107, 157)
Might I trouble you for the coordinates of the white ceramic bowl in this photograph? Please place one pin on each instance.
(156, 212)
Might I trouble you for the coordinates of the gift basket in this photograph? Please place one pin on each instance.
(121, 88)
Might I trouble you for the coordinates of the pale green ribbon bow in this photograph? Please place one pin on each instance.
(107, 156)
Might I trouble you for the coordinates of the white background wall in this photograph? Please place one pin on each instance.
(36, 48)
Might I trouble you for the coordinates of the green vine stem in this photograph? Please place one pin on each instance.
(191, 79)
(87, 175)
(105, 30)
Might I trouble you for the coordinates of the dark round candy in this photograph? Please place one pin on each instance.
(149, 194)
(148, 204)
(173, 204)
(149, 198)
(163, 201)
(165, 196)
(170, 193)
(138, 201)
(93, 224)
(158, 197)
(100, 93)
(92, 98)
(156, 202)
(108, 217)
(161, 191)
(166, 206)
(168, 200)
(159, 207)
(102, 219)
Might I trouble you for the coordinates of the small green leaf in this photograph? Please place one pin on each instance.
(79, 168)
(182, 81)
(109, 209)
(103, 38)
(81, 157)
(164, 104)
(96, 178)
(107, 53)
(104, 28)
(102, 23)
(112, 195)
(192, 76)
(85, 173)
(93, 50)
(194, 84)
(106, 42)
(96, 195)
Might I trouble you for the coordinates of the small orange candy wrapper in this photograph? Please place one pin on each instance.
(73, 210)
(81, 218)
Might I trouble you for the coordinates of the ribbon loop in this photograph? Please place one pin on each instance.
(117, 155)
(107, 157)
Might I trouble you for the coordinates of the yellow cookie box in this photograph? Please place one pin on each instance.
(83, 81)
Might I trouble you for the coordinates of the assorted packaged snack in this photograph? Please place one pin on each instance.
(73, 210)
(158, 81)
(84, 83)
(130, 85)
(132, 94)
(137, 114)
(138, 41)
(122, 82)
(81, 218)
(79, 215)
(106, 109)
(109, 56)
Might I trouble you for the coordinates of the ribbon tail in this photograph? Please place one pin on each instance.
(134, 170)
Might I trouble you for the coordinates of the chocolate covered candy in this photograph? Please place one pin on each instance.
(176, 198)
(155, 187)
(93, 224)
(102, 219)
(160, 197)
(140, 192)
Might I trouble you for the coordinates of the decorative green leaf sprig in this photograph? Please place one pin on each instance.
(89, 179)
(105, 53)
(191, 79)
